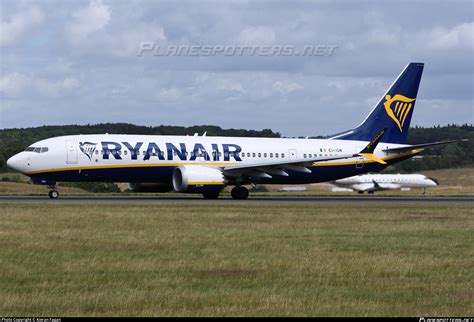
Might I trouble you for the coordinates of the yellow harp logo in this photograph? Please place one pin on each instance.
(398, 107)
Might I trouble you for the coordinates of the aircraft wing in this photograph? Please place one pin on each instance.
(386, 186)
(374, 186)
(421, 146)
(267, 169)
(362, 186)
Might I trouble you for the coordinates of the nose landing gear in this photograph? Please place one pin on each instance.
(53, 193)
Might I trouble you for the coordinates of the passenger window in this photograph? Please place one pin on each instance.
(282, 155)
(304, 156)
(248, 154)
(259, 155)
(253, 154)
(271, 155)
(125, 152)
(264, 155)
(276, 155)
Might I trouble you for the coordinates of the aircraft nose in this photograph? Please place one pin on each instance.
(16, 162)
(433, 182)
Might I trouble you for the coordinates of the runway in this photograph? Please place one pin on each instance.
(361, 200)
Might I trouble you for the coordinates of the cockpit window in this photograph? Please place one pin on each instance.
(36, 150)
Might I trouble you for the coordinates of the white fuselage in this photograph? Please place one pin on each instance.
(147, 158)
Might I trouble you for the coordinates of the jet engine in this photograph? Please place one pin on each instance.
(149, 187)
(197, 179)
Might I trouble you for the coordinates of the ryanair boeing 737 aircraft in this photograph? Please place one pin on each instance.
(200, 164)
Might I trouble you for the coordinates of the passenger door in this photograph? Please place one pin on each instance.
(71, 149)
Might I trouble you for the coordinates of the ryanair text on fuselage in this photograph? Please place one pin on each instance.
(112, 149)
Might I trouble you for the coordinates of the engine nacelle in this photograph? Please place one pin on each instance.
(149, 187)
(197, 179)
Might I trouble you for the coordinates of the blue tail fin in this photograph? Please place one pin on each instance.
(393, 111)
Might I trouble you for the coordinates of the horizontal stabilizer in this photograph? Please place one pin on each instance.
(421, 146)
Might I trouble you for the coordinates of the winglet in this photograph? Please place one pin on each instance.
(368, 151)
(373, 144)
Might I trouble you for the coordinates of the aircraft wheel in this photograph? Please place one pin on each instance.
(53, 194)
(211, 194)
(360, 192)
(371, 192)
(239, 193)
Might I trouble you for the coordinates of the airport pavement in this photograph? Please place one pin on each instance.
(197, 199)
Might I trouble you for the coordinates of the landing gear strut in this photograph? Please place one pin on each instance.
(239, 193)
(53, 193)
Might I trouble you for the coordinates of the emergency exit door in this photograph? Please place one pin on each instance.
(292, 154)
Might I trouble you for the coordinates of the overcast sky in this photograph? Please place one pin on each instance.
(79, 62)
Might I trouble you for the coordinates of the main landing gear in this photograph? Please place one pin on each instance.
(53, 193)
(211, 194)
(239, 193)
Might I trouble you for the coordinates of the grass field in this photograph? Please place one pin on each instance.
(231, 260)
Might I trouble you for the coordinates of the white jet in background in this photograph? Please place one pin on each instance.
(376, 182)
